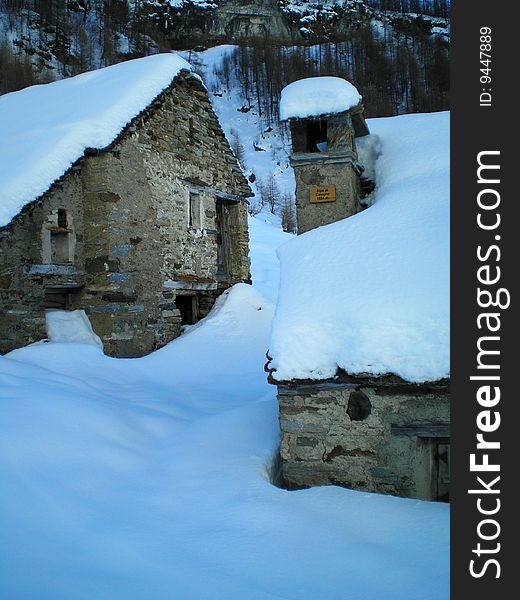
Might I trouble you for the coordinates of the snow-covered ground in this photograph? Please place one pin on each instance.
(149, 478)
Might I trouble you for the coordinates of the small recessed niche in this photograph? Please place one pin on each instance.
(359, 406)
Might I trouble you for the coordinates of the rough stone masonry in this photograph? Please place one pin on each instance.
(374, 434)
(129, 232)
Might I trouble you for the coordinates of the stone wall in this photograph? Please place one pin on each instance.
(320, 172)
(372, 437)
(144, 227)
(24, 276)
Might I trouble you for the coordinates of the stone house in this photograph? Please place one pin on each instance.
(363, 392)
(329, 183)
(121, 197)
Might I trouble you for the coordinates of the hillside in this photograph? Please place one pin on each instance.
(396, 52)
(52, 39)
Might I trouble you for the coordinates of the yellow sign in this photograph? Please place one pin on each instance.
(323, 194)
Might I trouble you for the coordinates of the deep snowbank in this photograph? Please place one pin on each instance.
(370, 293)
(148, 478)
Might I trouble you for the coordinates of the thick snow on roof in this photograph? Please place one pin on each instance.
(46, 128)
(370, 294)
(317, 96)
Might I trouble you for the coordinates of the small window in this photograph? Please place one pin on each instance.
(56, 299)
(195, 211)
(60, 238)
(62, 218)
(317, 136)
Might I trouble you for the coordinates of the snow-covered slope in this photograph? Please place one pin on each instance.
(370, 294)
(149, 478)
(46, 128)
(265, 149)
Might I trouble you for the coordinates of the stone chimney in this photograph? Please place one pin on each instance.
(325, 115)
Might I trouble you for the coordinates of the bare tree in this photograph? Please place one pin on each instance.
(288, 213)
(254, 207)
(269, 192)
(238, 148)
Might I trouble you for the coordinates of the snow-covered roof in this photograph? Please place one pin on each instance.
(370, 293)
(317, 96)
(46, 128)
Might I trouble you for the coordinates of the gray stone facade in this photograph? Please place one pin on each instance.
(143, 235)
(378, 435)
(324, 156)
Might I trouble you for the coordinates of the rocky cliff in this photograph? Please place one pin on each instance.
(43, 40)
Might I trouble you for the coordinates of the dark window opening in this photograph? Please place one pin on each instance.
(62, 218)
(316, 136)
(359, 406)
(57, 298)
(189, 309)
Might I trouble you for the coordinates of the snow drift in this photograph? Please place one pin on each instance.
(149, 478)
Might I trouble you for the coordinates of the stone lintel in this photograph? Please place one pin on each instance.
(53, 269)
(171, 284)
(197, 188)
(300, 159)
(65, 285)
(386, 384)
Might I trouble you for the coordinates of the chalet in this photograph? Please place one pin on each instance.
(359, 347)
(119, 197)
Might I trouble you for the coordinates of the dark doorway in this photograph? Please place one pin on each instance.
(189, 309)
(223, 238)
(433, 468)
(442, 461)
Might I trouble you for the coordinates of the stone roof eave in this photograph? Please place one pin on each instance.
(386, 383)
